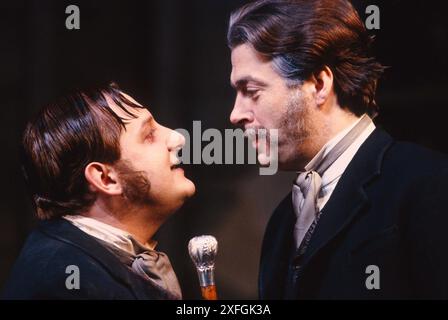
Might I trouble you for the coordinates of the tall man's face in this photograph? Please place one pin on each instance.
(264, 101)
(147, 168)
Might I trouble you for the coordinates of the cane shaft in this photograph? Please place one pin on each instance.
(209, 292)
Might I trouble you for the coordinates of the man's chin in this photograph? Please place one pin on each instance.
(184, 184)
(190, 188)
(183, 193)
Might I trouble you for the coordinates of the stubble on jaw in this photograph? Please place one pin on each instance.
(296, 128)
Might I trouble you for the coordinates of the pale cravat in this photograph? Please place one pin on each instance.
(152, 265)
(308, 184)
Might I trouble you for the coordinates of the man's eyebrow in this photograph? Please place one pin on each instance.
(244, 80)
(146, 123)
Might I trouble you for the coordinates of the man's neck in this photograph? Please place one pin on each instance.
(134, 221)
(342, 124)
(326, 149)
(331, 125)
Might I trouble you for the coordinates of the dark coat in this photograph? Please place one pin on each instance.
(40, 270)
(389, 209)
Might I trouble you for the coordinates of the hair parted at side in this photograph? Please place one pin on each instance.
(62, 139)
(300, 37)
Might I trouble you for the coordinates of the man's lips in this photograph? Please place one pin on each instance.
(175, 161)
(257, 136)
(177, 167)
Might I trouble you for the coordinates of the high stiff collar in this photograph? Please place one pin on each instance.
(338, 167)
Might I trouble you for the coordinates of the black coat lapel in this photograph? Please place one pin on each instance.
(349, 196)
(276, 251)
(66, 232)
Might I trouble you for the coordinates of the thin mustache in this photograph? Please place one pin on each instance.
(256, 132)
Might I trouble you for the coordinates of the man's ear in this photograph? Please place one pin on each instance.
(323, 85)
(103, 178)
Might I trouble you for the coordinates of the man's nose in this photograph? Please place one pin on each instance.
(240, 114)
(175, 140)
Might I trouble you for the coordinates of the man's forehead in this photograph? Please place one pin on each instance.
(140, 113)
(248, 64)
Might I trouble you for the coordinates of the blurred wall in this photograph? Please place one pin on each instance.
(172, 56)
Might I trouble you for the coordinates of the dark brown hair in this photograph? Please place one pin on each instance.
(300, 37)
(62, 139)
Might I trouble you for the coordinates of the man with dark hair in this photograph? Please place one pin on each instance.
(104, 177)
(367, 216)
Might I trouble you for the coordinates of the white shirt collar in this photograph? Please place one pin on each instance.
(331, 144)
(339, 166)
(105, 232)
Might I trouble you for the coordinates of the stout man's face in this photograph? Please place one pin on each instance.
(149, 165)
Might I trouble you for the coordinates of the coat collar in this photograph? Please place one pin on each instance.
(349, 197)
(66, 232)
(347, 201)
(276, 251)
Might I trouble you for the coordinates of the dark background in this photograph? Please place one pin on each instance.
(172, 56)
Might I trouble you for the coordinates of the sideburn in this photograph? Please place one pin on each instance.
(136, 185)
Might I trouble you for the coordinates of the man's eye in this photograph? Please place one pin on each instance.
(150, 135)
(250, 92)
